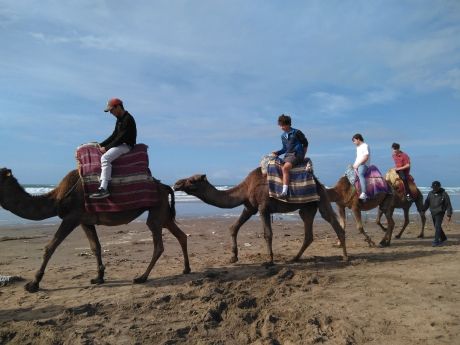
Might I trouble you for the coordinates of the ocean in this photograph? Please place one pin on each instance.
(191, 207)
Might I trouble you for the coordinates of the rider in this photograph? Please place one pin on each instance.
(295, 146)
(362, 161)
(121, 141)
(402, 167)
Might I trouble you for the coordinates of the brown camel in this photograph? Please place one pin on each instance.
(400, 201)
(344, 195)
(67, 202)
(252, 192)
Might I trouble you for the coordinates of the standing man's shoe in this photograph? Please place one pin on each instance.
(100, 194)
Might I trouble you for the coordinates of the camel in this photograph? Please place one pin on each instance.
(344, 195)
(253, 193)
(400, 201)
(67, 202)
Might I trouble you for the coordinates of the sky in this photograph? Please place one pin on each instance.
(206, 81)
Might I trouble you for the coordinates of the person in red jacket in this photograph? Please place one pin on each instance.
(402, 167)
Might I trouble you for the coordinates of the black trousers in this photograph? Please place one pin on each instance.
(439, 234)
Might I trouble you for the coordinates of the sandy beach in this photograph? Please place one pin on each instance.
(406, 294)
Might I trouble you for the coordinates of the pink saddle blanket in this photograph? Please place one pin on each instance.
(132, 185)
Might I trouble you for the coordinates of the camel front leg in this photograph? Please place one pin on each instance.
(360, 227)
(235, 228)
(158, 249)
(406, 222)
(66, 227)
(182, 238)
(268, 235)
(95, 245)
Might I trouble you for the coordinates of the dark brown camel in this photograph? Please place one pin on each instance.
(345, 196)
(66, 201)
(252, 192)
(400, 201)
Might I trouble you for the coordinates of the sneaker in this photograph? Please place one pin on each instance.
(409, 198)
(363, 196)
(436, 244)
(100, 194)
(283, 196)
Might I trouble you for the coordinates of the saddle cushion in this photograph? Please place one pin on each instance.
(302, 185)
(132, 185)
(375, 183)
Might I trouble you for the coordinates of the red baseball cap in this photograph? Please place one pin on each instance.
(113, 103)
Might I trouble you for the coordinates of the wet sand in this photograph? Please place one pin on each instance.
(406, 294)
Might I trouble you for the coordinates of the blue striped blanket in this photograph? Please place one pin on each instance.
(302, 186)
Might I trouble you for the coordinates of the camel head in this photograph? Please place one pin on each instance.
(5, 174)
(192, 184)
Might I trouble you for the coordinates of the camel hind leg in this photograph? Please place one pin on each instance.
(66, 227)
(360, 227)
(268, 235)
(406, 222)
(155, 226)
(419, 204)
(95, 245)
(328, 214)
(182, 238)
(308, 215)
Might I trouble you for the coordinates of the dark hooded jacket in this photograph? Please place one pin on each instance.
(438, 202)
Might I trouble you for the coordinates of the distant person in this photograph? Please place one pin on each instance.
(402, 167)
(438, 202)
(121, 141)
(362, 161)
(295, 146)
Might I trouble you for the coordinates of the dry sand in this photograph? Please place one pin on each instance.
(406, 294)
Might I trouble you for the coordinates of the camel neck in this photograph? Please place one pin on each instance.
(224, 198)
(16, 200)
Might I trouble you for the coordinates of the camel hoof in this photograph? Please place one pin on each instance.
(420, 236)
(294, 259)
(233, 259)
(186, 270)
(97, 281)
(384, 244)
(139, 280)
(398, 236)
(345, 258)
(31, 287)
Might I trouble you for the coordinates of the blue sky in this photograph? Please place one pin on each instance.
(207, 80)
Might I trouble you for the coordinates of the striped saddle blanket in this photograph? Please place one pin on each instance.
(302, 186)
(132, 185)
(375, 182)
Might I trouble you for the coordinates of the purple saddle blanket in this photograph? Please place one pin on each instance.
(375, 182)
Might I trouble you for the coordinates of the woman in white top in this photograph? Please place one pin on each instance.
(362, 161)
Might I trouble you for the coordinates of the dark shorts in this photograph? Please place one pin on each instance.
(293, 159)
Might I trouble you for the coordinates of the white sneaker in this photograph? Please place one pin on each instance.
(363, 196)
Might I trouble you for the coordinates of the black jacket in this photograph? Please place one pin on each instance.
(125, 132)
(438, 202)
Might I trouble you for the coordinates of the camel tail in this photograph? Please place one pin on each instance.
(172, 205)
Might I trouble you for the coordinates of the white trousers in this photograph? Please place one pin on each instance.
(106, 162)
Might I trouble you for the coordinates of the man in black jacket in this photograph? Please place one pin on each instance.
(120, 142)
(438, 202)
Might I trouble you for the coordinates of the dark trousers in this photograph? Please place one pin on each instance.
(404, 177)
(439, 234)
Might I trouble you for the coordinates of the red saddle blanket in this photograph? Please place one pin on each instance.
(132, 185)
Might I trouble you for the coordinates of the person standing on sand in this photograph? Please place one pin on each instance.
(362, 161)
(438, 201)
(402, 167)
(295, 146)
(121, 141)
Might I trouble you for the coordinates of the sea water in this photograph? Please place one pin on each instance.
(188, 206)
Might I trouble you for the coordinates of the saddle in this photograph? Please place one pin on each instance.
(302, 185)
(375, 183)
(132, 185)
(392, 177)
